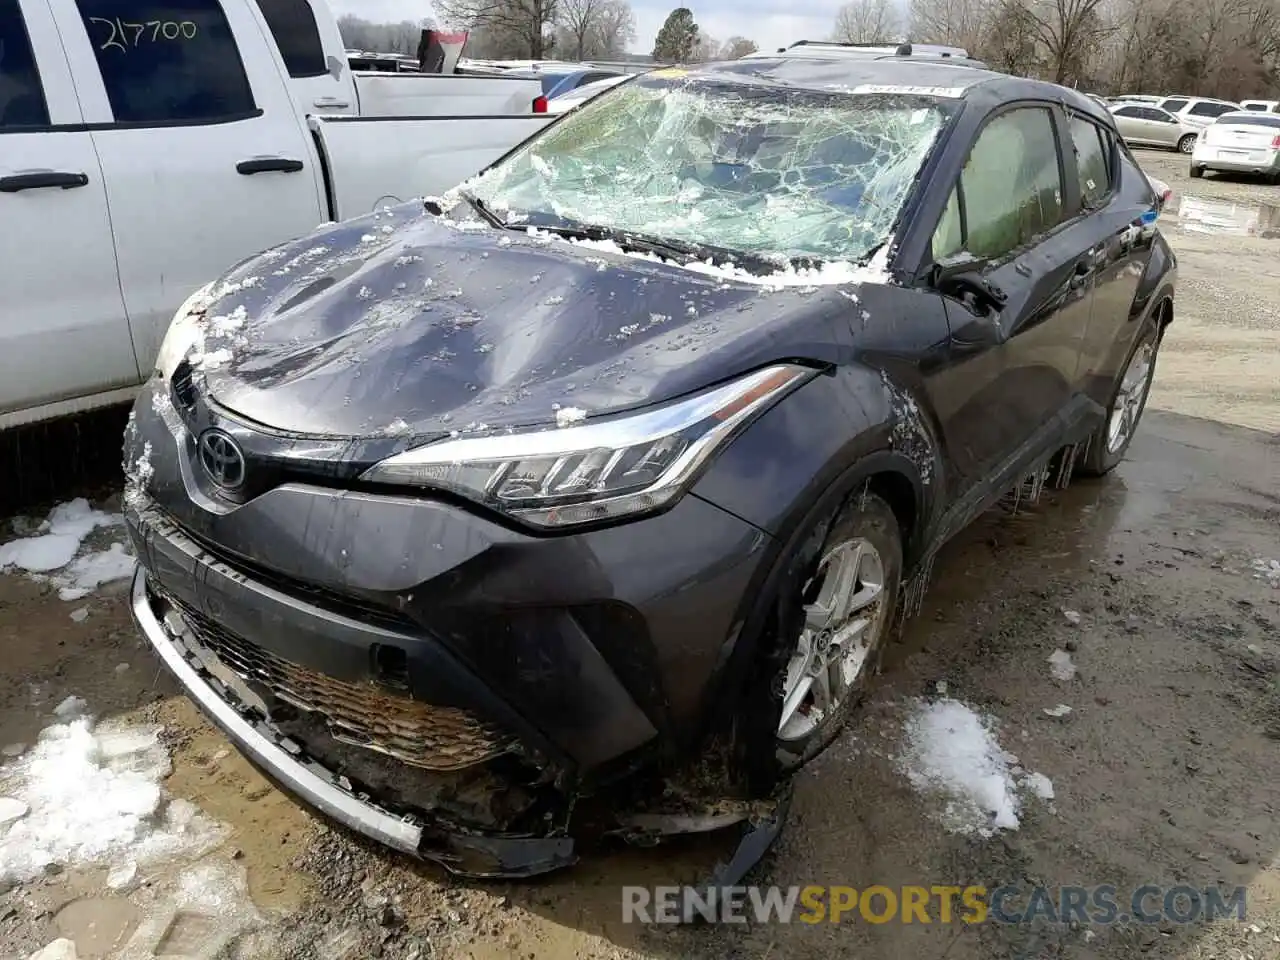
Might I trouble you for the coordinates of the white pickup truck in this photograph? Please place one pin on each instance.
(148, 145)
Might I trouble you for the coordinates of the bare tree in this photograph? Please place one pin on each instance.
(523, 23)
(615, 28)
(578, 18)
(957, 23)
(737, 47)
(360, 34)
(867, 21)
(708, 48)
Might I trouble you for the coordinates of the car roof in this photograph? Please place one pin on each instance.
(930, 76)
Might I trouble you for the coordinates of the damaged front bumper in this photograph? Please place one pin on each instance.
(284, 762)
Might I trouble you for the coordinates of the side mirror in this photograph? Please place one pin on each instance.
(961, 277)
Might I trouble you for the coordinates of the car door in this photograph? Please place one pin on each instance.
(205, 158)
(1011, 209)
(63, 329)
(1121, 205)
(1133, 124)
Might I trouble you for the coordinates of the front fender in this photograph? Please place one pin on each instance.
(775, 473)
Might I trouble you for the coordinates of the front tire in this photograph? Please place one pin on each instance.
(1187, 143)
(846, 609)
(1111, 440)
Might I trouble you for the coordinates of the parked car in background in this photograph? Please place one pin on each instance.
(563, 102)
(136, 164)
(1264, 106)
(1135, 98)
(597, 479)
(1197, 112)
(1242, 142)
(1148, 126)
(558, 81)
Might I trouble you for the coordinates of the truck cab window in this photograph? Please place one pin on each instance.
(168, 61)
(21, 95)
(293, 26)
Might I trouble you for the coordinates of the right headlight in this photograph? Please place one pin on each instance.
(184, 332)
(592, 472)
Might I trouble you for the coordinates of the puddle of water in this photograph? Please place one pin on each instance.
(1226, 218)
(97, 925)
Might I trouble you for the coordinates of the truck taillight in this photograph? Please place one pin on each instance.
(539, 104)
(1275, 142)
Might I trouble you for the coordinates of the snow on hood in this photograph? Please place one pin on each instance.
(402, 322)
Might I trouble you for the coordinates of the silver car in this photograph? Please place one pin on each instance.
(1148, 126)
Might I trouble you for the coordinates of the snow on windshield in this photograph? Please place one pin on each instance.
(784, 173)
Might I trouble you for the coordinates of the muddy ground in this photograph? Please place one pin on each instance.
(1166, 771)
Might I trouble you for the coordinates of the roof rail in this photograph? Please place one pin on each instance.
(905, 49)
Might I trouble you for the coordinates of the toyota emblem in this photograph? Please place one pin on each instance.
(222, 459)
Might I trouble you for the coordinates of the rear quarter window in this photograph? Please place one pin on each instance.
(293, 27)
(1252, 120)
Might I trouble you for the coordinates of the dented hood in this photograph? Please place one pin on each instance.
(403, 322)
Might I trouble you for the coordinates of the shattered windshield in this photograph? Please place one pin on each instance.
(782, 173)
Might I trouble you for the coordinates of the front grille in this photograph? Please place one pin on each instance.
(419, 734)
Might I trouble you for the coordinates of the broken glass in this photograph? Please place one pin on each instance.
(789, 174)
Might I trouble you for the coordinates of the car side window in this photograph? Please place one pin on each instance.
(1093, 160)
(293, 26)
(168, 61)
(1011, 183)
(22, 102)
(1173, 106)
(1210, 109)
(1129, 112)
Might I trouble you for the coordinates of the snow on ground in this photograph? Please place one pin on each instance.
(1061, 666)
(1268, 570)
(952, 752)
(54, 554)
(90, 793)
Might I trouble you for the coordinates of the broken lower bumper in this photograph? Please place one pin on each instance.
(287, 766)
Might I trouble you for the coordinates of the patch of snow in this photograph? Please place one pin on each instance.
(1039, 785)
(94, 796)
(952, 751)
(1072, 616)
(80, 615)
(70, 708)
(1263, 569)
(122, 876)
(86, 573)
(1061, 710)
(60, 949)
(568, 416)
(365, 293)
(1061, 667)
(12, 809)
(553, 301)
(59, 538)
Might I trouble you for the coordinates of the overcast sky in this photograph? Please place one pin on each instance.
(760, 20)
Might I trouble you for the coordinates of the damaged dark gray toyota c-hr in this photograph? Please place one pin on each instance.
(606, 474)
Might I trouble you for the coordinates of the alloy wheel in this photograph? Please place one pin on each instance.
(1127, 406)
(1187, 144)
(841, 630)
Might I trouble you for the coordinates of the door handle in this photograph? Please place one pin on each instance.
(330, 103)
(269, 165)
(42, 181)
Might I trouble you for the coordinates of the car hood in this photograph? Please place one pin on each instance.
(406, 323)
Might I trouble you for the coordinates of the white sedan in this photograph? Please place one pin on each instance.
(1244, 141)
(579, 95)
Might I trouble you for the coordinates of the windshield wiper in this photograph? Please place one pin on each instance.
(482, 208)
(682, 251)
